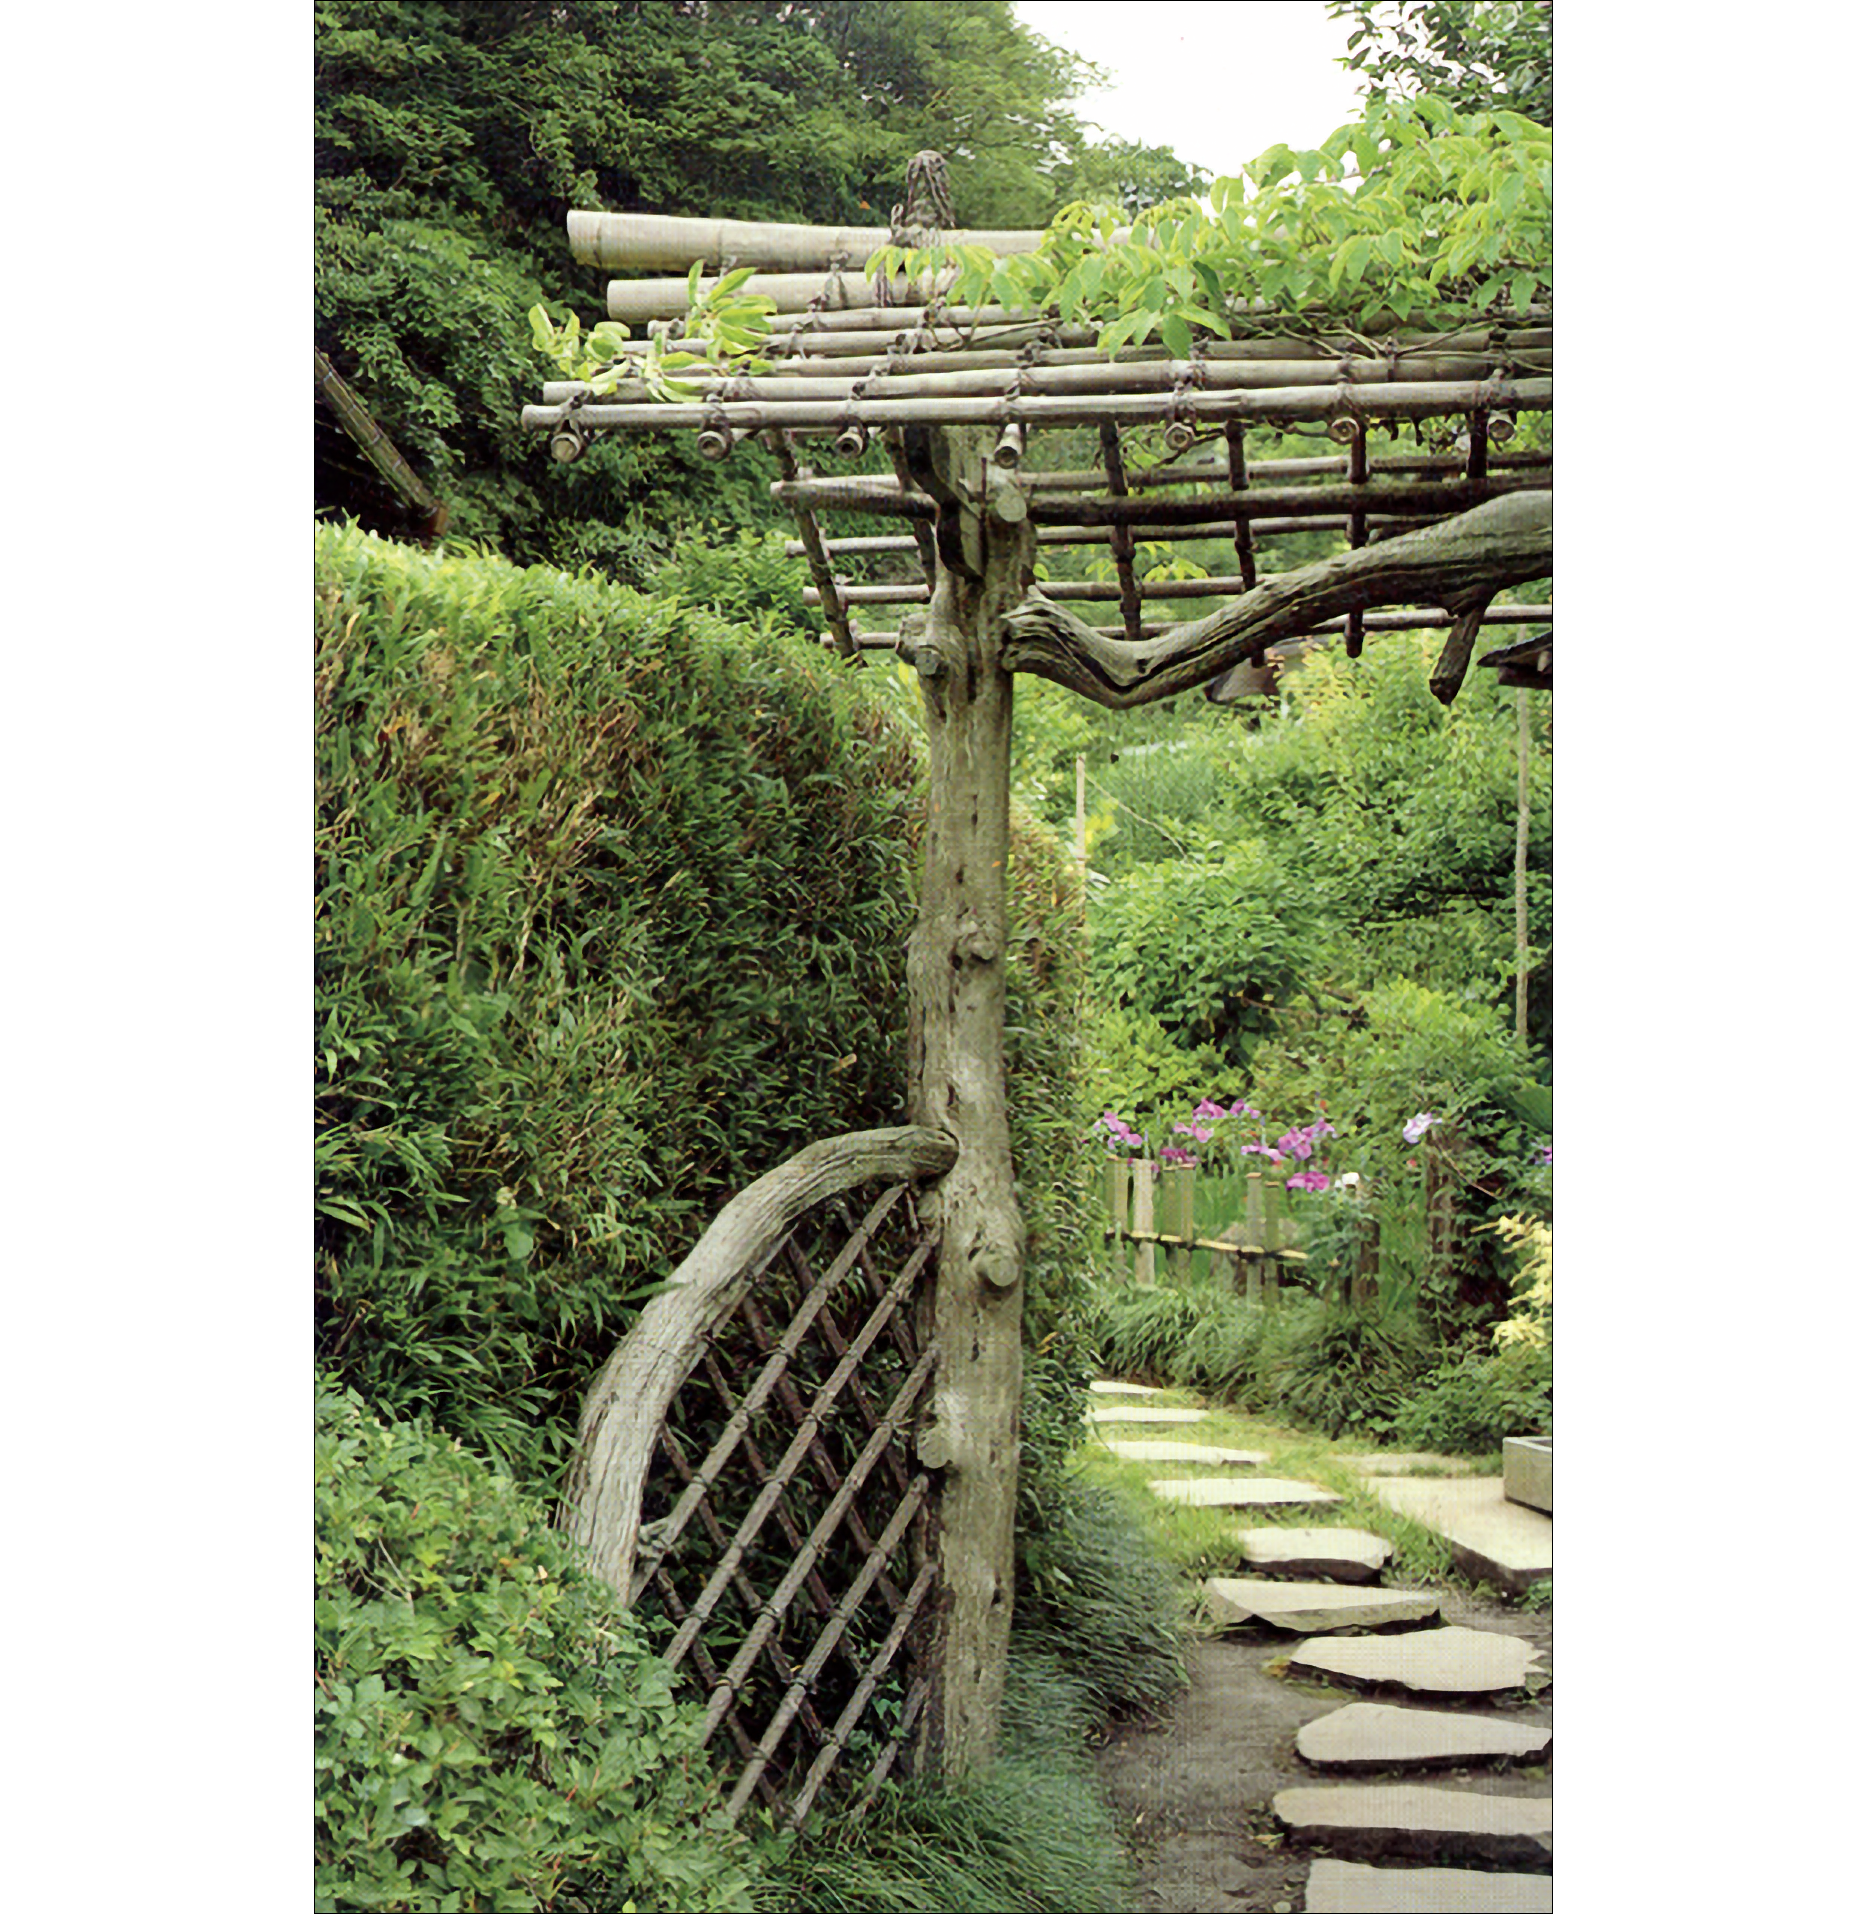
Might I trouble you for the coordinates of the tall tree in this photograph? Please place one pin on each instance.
(1474, 54)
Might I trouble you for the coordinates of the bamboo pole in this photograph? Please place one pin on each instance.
(1520, 877)
(1417, 618)
(1145, 1172)
(1531, 331)
(1404, 400)
(664, 242)
(808, 346)
(1389, 500)
(883, 544)
(1096, 376)
(1178, 1185)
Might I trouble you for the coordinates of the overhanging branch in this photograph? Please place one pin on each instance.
(1459, 564)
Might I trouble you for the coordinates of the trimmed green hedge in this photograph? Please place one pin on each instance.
(612, 904)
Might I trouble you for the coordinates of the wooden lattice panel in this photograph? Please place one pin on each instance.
(784, 1547)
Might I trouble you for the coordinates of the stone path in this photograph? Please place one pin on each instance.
(1409, 1831)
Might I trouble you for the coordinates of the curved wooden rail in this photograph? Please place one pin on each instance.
(623, 1410)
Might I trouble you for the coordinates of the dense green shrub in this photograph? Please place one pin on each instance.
(493, 1733)
(1468, 1404)
(1338, 1369)
(744, 577)
(1138, 1332)
(1220, 1354)
(1206, 946)
(610, 913)
(612, 901)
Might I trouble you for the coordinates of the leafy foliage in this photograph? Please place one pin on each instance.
(609, 919)
(1340, 1369)
(449, 142)
(1473, 53)
(1470, 1402)
(1416, 206)
(492, 1731)
(1208, 947)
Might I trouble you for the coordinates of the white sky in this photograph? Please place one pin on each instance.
(1218, 81)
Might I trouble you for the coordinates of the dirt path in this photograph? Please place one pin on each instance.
(1193, 1790)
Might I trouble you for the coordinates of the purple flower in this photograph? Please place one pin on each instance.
(1417, 1127)
(1308, 1180)
(1206, 1107)
(1544, 1153)
(1171, 1155)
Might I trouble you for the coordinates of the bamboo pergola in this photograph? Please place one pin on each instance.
(848, 371)
(1006, 436)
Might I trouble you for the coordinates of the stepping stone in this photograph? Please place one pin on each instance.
(1240, 1492)
(1494, 1540)
(1432, 1661)
(1102, 1387)
(1201, 1452)
(1142, 1413)
(1336, 1555)
(1315, 1608)
(1347, 1887)
(1370, 1734)
(1424, 1823)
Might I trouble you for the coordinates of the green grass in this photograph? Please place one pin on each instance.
(1202, 1542)
(1031, 1836)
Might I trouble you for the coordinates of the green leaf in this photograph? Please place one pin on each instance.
(1175, 335)
(1523, 290)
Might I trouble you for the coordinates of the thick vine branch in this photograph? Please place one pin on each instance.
(1458, 564)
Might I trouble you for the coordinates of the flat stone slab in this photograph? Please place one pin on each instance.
(1315, 1608)
(1240, 1492)
(1349, 1887)
(1146, 1412)
(1103, 1387)
(1365, 1735)
(1493, 1540)
(1201, 1452)
(1335, 1555)
(1527, 1471)
(1425, 1823)
(1432, 1661)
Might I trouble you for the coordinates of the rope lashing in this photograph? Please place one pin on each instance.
(570, 439)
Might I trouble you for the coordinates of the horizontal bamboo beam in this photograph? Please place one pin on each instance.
(664, 242)
(888, 543)
(637, 302)
(1405, 400)
(1394, 498)
(809, 353)
(1212, 472)
(1387, 500)
(1098, 376)
(1419, 618)
(1101, 591)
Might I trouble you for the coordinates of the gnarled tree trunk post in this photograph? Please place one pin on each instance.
(956, 1044)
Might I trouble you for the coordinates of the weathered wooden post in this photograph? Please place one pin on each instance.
(947, 407)
(956, 1046)
(1178, 1189)
(1145, 1174)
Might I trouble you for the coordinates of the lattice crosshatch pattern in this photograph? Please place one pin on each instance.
(784, 1546)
